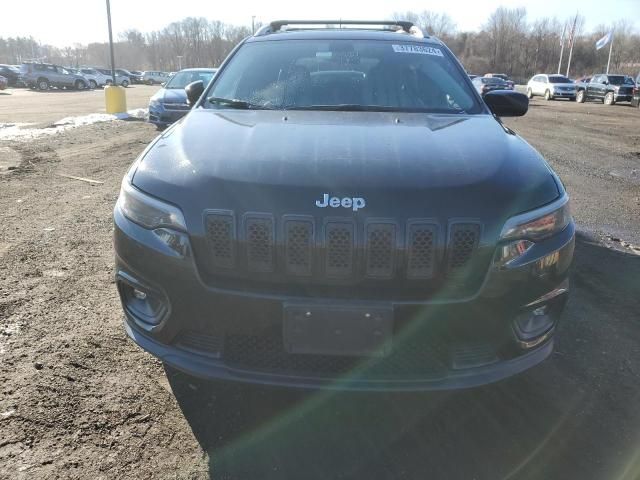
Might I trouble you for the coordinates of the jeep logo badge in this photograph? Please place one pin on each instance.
(355, 203)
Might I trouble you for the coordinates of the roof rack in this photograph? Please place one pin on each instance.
(276, 26)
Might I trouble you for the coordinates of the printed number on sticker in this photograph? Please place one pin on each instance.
(420, 49)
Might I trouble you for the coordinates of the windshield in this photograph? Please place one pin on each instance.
(616, 79)
(559, 79)
(343, 74)
(184, 78)
(493, 80)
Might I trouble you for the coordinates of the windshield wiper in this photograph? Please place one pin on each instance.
(234, 103)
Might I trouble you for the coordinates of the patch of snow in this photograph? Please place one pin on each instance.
(18, 131)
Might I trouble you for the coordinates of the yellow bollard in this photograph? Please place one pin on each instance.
(115, 99)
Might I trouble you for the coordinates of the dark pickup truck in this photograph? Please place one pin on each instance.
(609, 89)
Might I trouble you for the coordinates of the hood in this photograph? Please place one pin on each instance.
(170, 95)
(403, 165)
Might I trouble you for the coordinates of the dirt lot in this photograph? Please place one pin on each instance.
(21, 105)
(78, 400)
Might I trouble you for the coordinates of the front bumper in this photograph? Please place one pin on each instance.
(571, 94)
(216, 333)
(160, 116)
(623, 97)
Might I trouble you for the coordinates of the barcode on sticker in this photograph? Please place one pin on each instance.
(420, 49)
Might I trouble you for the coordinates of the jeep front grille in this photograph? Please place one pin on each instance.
(340, 250)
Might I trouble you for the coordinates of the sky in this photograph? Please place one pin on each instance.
(82, 21)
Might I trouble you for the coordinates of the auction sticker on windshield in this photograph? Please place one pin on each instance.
(420, 49)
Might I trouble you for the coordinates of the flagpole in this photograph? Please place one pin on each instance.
(562, 47)
(571, 42)
(610, 49)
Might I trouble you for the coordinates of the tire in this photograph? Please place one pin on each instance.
(548, 96)
(580, 97)
(43, 84)
(93, 84)
(529, 94)
(609, 99)
(125, 83)
(79, 85)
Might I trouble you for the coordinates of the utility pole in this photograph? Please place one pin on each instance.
(610, 50)
(571, 42)
(564, 31)
(253, 24)
(113, 62)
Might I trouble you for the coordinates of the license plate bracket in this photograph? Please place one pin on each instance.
(323, 329)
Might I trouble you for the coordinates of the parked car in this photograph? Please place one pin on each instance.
(489, 84)
(136, 76)
(94, 77)
(4, 83)
(120, 79)
(608, 89)
(340, 209)
(504, 77)
(12, 75)
(154, 77)
(125, 73)
(45, 75)
(170, 102)
(635, 99)
(551, 87)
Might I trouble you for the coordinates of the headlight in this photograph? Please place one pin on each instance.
(147, 211)
(521, 232)
(538, 224)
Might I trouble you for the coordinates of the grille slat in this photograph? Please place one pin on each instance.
(463, 241)
(380, 248)
(422, 242)
(339, 239)
(221, 237)
(299, 240)
(260, 242)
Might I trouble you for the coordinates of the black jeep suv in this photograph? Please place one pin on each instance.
(609, 89)
(342, 209)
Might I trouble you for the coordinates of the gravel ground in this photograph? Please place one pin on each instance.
(78, 400)
(21, 105)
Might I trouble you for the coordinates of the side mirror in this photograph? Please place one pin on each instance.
(507, 103)
(194, 91)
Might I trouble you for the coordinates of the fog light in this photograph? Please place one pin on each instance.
(139, 294)
(533, 327)
(538, 312)
(146, 305)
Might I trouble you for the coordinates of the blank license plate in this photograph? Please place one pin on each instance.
(337, 330)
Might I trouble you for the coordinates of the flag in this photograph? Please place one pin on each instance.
(604, 40)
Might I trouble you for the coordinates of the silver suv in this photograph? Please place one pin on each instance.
(153, 77)
(45, 75)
